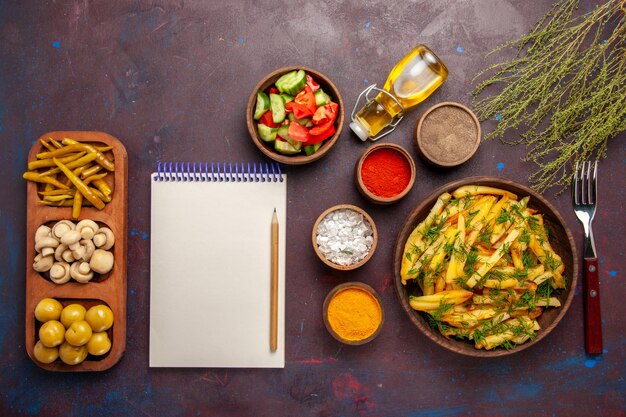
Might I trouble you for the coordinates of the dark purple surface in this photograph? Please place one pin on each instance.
(171, 80)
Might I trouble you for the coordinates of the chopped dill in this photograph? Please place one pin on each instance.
(504, 216)
(550, 262)
(434, 317)
(432, 233)
(471, 259)
(527, 259)
(471, 215)
(524, 237)
(485, 237)
(448, 248)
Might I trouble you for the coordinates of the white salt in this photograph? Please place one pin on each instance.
(344, 237)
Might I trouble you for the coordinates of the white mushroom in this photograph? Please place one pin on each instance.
(42, 231)
(60, 272)
(104, 239)
(46, 245)
(43, 263)
(68, 256)
(81, 272)
(101, 261)
(71, 239)
(62, 227)
(87, 228)
(89, 247)
(58, 253)
(79, 252)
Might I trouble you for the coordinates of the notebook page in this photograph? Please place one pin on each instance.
(210, 273)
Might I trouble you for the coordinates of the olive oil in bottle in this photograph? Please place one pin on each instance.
(410, 82)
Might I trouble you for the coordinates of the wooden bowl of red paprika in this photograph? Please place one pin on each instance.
(385, 173)
(329, 132)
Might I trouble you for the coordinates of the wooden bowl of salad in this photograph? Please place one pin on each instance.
(295, 115)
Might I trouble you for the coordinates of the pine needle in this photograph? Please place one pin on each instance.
(565, 89)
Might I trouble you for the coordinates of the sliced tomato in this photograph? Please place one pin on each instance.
(298, 132)
(274, 90)
(267, 119)
(311, 83)
(325, 114)
(320, 133)
(306, 98)
(299, 111)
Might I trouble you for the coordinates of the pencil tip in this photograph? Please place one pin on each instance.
(274, 209)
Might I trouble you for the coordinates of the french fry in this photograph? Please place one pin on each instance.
(469, 319)
(551, 302)
(500, 284)
(514, 327)
(415, 245)
(455, 266)
(433, 302)
(481, 189)
(485, 267)
(425, 258)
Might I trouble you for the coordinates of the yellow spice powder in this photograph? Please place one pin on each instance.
(354, 314)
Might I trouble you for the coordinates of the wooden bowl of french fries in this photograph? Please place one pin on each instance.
(485, 267)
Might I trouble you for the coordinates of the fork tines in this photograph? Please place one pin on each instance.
(585, 186)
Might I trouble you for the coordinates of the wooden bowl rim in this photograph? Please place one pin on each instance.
(418, 139)
(418, 319)
(346, 285)
(359, 179)
(321, 255)
(297, 159)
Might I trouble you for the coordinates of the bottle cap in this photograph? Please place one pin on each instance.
(360, 130)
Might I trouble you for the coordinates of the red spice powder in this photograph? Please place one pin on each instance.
(386, 172)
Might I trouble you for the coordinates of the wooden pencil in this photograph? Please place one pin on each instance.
(274, 286)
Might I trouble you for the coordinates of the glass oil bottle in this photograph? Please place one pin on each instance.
(410, 82)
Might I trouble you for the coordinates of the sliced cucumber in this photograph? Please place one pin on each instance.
(282, 132)
(266, 133)
(311, 149)
(292, 82)
(287, 98)
(306, 122)
(262, 105)
(321, 98)
(296, 144)
(278, 108)
(285, 148)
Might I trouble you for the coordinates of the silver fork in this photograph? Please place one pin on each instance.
(584, 192)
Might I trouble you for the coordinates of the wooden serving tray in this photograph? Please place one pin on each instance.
(111, 290)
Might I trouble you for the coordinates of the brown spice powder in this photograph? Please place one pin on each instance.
(448, 135)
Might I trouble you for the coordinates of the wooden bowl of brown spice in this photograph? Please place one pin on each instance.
(447, 134)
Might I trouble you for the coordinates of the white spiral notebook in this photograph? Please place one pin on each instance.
(210, 264)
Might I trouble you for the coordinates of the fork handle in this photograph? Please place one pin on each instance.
(593, 320)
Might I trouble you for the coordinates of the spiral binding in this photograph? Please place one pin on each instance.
(218, 172)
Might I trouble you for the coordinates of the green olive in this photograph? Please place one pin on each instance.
(45, 354)
(100, 318)
(79, 333)
(72, 313)
(99, 344)
(72, 355)
(52, 333)
(48, 309)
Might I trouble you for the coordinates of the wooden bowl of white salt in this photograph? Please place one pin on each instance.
(344, 237)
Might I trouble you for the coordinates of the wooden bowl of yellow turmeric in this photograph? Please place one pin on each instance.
(353, 313)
